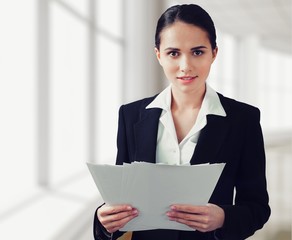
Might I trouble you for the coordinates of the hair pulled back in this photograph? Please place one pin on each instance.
(187, 13)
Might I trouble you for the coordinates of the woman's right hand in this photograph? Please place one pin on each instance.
(115, 217)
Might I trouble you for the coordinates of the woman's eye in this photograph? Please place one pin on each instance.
(173, 54)
(197, 52)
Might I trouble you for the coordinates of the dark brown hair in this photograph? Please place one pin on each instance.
(188, 13)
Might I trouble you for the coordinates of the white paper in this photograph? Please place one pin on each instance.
(153, 188)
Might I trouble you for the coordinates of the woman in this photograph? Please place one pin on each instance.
(189, 122)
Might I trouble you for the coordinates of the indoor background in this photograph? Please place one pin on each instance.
(67, 65)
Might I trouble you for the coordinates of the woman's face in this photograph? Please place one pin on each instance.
(186, 56)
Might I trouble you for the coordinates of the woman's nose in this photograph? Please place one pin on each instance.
(185, 65)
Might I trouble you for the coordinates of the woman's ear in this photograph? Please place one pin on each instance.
(157, 53)
(214, 52)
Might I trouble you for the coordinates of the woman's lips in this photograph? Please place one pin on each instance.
(187, 78)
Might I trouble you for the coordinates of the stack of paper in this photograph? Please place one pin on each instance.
(153, 188)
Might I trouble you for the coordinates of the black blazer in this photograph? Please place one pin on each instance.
(235, 140)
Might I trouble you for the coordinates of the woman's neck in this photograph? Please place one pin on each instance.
(187, 101)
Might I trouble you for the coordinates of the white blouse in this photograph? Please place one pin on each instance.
(168, 150)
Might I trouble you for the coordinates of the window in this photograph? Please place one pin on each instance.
(61, 81)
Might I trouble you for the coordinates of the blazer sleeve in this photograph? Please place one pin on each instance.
(122, 140)
(251, 209)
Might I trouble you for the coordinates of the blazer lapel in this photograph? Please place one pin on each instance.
(146, 135)
(211, 138)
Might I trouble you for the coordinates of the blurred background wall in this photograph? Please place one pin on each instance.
(67, 65)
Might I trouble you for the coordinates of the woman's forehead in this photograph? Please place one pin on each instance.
(183, 34)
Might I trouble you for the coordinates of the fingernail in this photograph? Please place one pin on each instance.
(135, 211)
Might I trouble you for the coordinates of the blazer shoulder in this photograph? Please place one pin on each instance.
(138, 105)
(234, 107)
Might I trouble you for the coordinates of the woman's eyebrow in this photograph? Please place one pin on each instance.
(192, 49)
(171, 49)
(198, 48)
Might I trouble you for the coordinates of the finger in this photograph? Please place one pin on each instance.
(187, 216)
(107, 210)
(192, 224)
(190, 208)
(116, 225)
(117, 216)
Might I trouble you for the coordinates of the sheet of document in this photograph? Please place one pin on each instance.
(153, 188)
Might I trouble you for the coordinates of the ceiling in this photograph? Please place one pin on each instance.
(270, 20)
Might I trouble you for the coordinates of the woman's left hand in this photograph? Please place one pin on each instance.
(202, 218)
